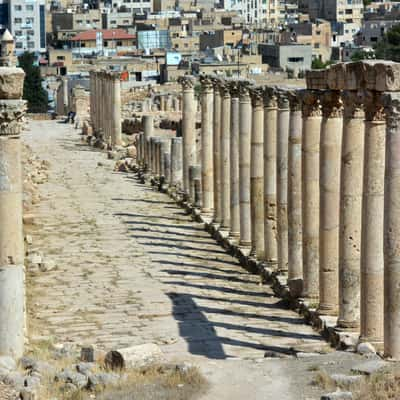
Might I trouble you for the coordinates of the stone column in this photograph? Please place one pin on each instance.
(153, 167)
(234, 232)
(12, 272)
(282, 180)
(224, 156)
(207, 146)
(330, 155)
(176, 163)
(372, 220)
(194, 174)
(148, 130)
(392, 229)
(188, 129)
(270, 136)
(115, 83)
(295, 241)
(310, 192)
(350, 211)
(167, 169)
(216, 154)
(257, 174)
(244, 165)
(65, 94)
(165, 147)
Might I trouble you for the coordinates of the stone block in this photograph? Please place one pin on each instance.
(387, 76)
(346, 380)
(370, 367)
(335, 76)
(337, 396)
(355, 75)
(316, 79)
(11, 83)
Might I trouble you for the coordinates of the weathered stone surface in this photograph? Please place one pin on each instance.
(7, 364)
(337, 396)
(370, 367)
(76, 378)
(366, 348)
(345, 380)
(336, 76)
(11, 83)
(317, 79)
(102, 379)
(382, 76)
(87, 354)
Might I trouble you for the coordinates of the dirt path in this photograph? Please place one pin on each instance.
(133, 268)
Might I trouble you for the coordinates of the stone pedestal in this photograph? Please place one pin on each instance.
(282, 180)
(270, 137)
(310, 192)
(295, 244)
(256, 175)
(350, 211)
(12, 271)
(330, 156)
(244, 165)
(372, 220)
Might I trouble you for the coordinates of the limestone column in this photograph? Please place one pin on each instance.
(12, 272)
(234, 232)
(310, 192)
(244, 165)
(176, 163)
(194, 174)
(350, 211)
(282, 180)
(167, 168)
(216, 153)
(330, 156)
(224, 156)
(165, 147)
(270, 145)
(188, 129)
(392, 229)
(207, 170)
(372, 220)
(115, 83)
(257, 174)
(148, 130)
(295, 241)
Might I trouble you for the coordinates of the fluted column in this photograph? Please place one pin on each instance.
(12, 271)
(372, 220)
(207, 177)
(330, 155)
(188, 129)
(270, 147)
(392, 229)
(234, 232)
(224, 156)
(115, 83)
(295, 244)
(282, 180)
(244, 165)
(350, 211)
(310, 192)
(216, 153)
(257, 174)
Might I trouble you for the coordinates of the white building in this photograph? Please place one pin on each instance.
(252, 11)
(27, 23)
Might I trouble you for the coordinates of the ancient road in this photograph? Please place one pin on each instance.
(133, 268)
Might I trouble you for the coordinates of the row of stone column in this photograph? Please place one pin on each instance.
(294, 179)
(105, 106)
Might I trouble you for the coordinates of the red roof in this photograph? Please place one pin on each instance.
(108, 34)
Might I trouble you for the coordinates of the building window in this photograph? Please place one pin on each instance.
(18, 45)
(29, 7)
(17, 20)
(119, 43)
(18, 33)
(18, 8)
(295, 59)
(60, 58)
(31, 45)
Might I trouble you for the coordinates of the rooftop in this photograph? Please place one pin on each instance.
(108, 34)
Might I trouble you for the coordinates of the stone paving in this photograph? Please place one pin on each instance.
(133, 268)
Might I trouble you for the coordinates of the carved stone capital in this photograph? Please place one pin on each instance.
(374, 106)
(294, 100)
(224, 89)
(234, 88)
(12, 114)
(257, 97)
(353, 104)
(311, 103)
(244, 91)
(206, 84)
(332, 104)
(392, 109)
(283, 100)
(270, 97)
(187, 82)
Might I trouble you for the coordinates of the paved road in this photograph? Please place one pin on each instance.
(133, 268)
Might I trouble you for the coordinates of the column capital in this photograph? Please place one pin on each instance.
(234, 88)
(270, 97)
(206, 84)
(391, 102)
(294, 100)
(311, 103)
(374, 106)
(332, 104)
(244, 91)
(353, 104)
(224, 89)
(12, 114)
(257, 96)
(283, 100)
(187, 82)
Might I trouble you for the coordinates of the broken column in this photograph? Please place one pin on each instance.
(244, 165)
(188, 129)
(330, 155)
(310, 188)
(207, 146)
(12, 273)
(256, 174)
(372, 220)
(270, 137)
(350, 211)
(295, 244)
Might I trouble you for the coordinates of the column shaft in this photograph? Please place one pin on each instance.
(216, 154)
(115, 82)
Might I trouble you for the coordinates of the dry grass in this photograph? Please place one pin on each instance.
(381, 386)
(323, 380)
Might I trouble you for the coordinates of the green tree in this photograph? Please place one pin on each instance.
(34, 93)
(388, 48)
(319, 64)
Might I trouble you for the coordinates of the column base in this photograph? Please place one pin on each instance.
(327, 309)
(343, 325)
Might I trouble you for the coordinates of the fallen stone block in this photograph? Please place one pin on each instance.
(370, 367)
(337, 396)
(366, 348)
(346, 380)
(11, 83)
